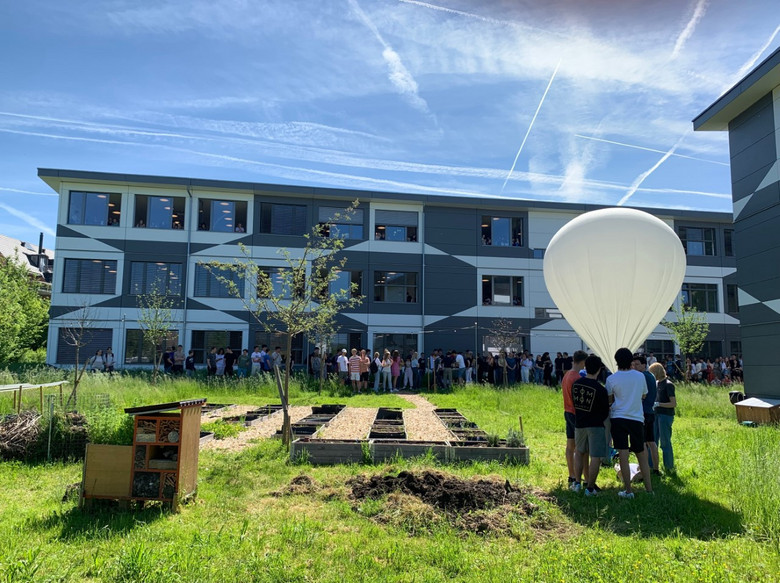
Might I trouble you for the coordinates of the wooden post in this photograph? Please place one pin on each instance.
(19, 404)
(14, 396)
(60, 394)
(520, 418)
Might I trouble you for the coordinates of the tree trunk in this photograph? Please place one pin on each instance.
(284, 393)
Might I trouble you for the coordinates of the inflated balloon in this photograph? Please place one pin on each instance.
(613, 273)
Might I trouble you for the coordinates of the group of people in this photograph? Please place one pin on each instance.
(633, 410)
(102, 361)
(224, 362)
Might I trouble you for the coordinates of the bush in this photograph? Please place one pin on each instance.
(110, 427)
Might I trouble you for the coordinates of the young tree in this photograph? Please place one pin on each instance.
(156, 314)
(24, 313)
(297, 298)
(689, 330)
(506, 337)
(78, 334)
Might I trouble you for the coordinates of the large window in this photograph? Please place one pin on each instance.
(710, 349)
(139, 350)
(336, 224)
(395, 287)
(661, 349)
(347, 281)
(395, 225)
(203, 340)
(732, 300)
(275, 282)
(94, 208)
(222, 216)
(502, 290)
(89, 276)
(502, 231)
(405, 344)
(698, 241)
(283, 219)
(728, 242)
(90, 341)
(212, 282)
(274, 340)
(148, 277)
(159, 212)
(702, 296)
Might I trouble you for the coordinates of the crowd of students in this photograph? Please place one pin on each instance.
(633, 410)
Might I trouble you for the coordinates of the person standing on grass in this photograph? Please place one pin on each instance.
(189, 364)
(665, 402)
(591, 410)
(365, 366)
(343, 363)
(387, 372)
(178, 360)
(211, 361)
(640, 363)
(627, 388)
(244, 363)
(354, 370)
(257, 364)
(376, 370)
(110, 362)
(395, 369)
(572, 375)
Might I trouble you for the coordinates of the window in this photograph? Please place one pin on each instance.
(209, 282)
(335, 343)
(661, 349)
(698, 241)
(405, 344)
(538, 253)
(702, 296)
(728, 242)
(159, 212)
(349, 281)
(395, 287)
(138, 350)
(279, 339)
(335, 224)
(203, 340)
(89, 276)
(94, 208)
(732, 301)
(148, 277)
(736, 347)
(283, 219)
(395, 225)
(92, 340)
(502, 231)
(274, 282)
(547, 313)
(502, 290)
(222, 216)
(710, 349)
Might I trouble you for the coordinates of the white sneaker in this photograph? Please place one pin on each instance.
(575, 487)
(626, 495)
(589, 492)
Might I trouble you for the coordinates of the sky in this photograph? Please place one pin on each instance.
(562, 100)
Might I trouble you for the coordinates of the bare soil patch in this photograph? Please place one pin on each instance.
(265, 428)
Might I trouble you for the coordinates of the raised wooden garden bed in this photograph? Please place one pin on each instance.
(477, 452)
(327, 451)
(384, 450)
(205, 437)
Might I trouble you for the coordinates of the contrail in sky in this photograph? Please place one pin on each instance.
(533, 119)
(648, 149)
(28, 191)
(749, 65)
(698, 14)
(642, 177)
(29, 219)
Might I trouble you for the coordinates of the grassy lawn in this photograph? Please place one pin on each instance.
(718, 520)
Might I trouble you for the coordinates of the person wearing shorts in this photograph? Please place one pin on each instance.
(354, 370)
(626, 389)
(591, 409)
(568, 415)
(365, 366)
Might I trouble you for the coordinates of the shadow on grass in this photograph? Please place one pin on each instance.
(673, 509)
(104, 520)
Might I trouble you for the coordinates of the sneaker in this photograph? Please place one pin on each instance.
(591, 492)
(626, 495)
(596, 488)
(571, 481)
(575, 487)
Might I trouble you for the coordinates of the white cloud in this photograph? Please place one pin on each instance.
(687, 32)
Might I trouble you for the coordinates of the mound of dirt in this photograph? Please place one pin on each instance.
(448, 493)
(300, 484)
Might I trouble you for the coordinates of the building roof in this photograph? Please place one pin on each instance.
(760, 81)
(27, 254)
(55, 177)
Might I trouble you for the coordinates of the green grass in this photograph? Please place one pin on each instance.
(716, 521)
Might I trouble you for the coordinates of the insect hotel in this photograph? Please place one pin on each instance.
(161, 464)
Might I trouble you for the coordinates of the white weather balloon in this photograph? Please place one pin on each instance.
(614, 273)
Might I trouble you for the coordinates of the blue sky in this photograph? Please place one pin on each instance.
(561, 100)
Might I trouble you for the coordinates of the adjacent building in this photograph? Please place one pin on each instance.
(436, 271)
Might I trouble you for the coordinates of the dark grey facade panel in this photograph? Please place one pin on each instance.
(755, 123)
(65, 231)
(765, 290)
(763, 199)
(449, 291)
(747, 185)
(759, 155)
(756, 234)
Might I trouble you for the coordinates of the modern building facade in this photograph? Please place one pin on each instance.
(750, 111)
(436, 271)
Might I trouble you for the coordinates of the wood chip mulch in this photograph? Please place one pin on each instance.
(265, 428)
(421, 424)
(351, 423)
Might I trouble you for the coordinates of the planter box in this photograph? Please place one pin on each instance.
(327, 409)
(467, 452)
(328, 451)
(384, 450)
(205, 437)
